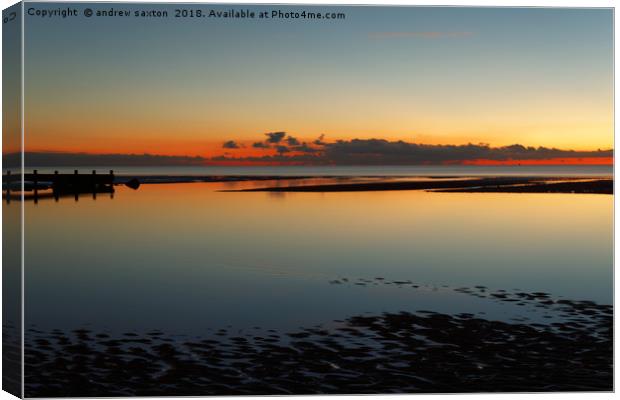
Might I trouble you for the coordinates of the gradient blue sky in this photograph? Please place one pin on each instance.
(182, 86)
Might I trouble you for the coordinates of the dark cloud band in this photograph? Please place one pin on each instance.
(341, 152)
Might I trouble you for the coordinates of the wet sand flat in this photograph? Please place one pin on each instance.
(405, 352)
(498, 184)
(601, 186)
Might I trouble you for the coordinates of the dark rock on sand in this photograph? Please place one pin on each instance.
(133, 183)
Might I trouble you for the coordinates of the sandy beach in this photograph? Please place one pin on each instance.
(493, 184)
(408, 352)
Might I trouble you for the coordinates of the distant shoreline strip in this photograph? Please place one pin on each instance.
(495, 185)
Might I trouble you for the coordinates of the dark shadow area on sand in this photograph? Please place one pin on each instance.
(406, 352)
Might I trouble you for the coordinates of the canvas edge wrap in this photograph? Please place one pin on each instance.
(12, 221)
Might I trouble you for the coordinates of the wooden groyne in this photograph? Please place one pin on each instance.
(60, 184)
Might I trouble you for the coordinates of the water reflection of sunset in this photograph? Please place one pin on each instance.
(452, 238)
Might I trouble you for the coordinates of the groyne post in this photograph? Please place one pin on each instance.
(8, 186)
(94, 184)
(75, 188)
(35, 180)
(112, 184)
(55, 186)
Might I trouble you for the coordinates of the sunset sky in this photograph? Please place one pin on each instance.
(423, 76)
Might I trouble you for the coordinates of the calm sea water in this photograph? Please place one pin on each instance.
(187, 258)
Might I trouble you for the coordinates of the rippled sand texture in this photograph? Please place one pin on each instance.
(407, 352)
